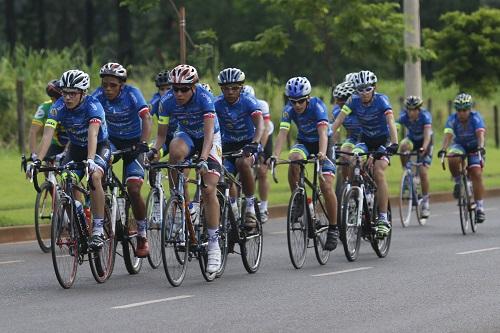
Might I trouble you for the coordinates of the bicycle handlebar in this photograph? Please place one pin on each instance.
(58, 169)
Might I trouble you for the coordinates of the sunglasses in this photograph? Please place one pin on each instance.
(297, 101)
(110, 85)
(462, 110)
(183, 89)
(364, 89)
(70, 94)
(231, 88)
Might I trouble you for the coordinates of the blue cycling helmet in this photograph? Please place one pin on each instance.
(231, 75)
(298, 87)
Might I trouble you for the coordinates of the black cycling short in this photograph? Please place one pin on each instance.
(78, 154)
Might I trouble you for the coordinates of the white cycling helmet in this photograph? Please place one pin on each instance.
(114, 69)
(298, 87)
(248, 90)
(75, 78)
(183, 74)
(231, 75)
(344, 90)
(351, 77)
(365, 78)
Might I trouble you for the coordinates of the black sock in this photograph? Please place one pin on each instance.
(332, 227)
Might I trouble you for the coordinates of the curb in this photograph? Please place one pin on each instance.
(27, 232)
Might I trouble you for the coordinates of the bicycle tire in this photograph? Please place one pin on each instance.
(296, 227)
(406, 196)
(223, 232)
(349, 229)
(382, 246)
(251, 245)
(43, 210)
(320, 230)
(102, 262)
(173, 252)
(154, 229)
(419, 197)
(64, 244)
(133, 264)
(471, 208)
(462, 207)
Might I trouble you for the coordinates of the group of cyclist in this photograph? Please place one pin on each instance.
(191, 121)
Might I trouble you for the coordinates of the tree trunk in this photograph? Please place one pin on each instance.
(42, 31)
(89, 30)
(125, 54)
(413, 73)
(10, 24)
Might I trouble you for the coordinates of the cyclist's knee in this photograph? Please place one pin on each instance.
(295, 157)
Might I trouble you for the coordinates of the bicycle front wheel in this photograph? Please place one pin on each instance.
(223, 233)
(471, 206)
(154, 227)
(43, 215)
(320, 230)
(463, 207)
(251, 245)
(350, 230)
(64, 244)
(297, 228)
(174, 242)
(381, 246)
(405, 198)
(133, 264)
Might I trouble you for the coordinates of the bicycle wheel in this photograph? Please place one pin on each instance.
(174, 242)
(154, 227)
(320, 230)
(64, 244)
(43, 215)
(133, 264)
(251, 245)
(405, 198)
(463, 207)
(419, 204)
(381, 246)
(471, 207)
(297, 228)
(103, 261)
(223, 233)
(350, 229)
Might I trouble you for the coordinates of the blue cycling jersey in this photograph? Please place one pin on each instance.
(76, 121)
(371, 116)
(191, 115)
(308, 121)
(236, 120)
(154, 104)
(465, 133)
(351, 124)
(123, 113)
(416, 127)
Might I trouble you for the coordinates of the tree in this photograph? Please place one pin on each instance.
(467, 50)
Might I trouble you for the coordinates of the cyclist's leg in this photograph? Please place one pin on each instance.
(297, 152)
(475, 172)
(326, 184)
(262, 178)
(455, 166)
(347, 147)
(424, 180)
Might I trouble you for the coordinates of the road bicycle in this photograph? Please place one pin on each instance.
(360, 212)
(307, 217)
(410, 190)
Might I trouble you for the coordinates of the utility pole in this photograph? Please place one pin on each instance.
(182, 34)
(413, 72)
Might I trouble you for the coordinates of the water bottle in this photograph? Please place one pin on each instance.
(156, 210)
(234, 207)
(194, 211)
(369, 199)
(310, 205)
(80, 214)
(469, 188)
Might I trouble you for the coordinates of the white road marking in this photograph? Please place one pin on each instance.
(481, 250)
(341, 272)
(11, 262)
(133, 305)
(278, 233)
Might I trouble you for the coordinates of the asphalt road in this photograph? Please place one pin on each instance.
(433, 280)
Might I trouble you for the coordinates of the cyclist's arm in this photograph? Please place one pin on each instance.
(480, 138)
(279, 141)
(448, 136)
(338, 122)
(265, 135)
(389, 116)
(32, 137)
(323, 138)
(208, 137)
(427, 137)
(258, 122)
(48, 132)
(147, 124)
(94, 126)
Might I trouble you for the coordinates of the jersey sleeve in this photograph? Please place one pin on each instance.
(448, 127)
(140, 104)
(163, 112)
(40, 115)
(321, 114)
(286, 118)
(95, 112)
(54, 115)
(265, 109)
(385, 104)
(347, 108)
(478, 122)
(253, 106)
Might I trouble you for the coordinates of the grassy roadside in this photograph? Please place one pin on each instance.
(17, 195)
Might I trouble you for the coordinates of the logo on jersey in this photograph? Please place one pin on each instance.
(53, 112)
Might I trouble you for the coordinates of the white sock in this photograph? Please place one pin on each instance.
(480, 204)
(141, 227)
(263, 205)
(250, 207)
(213, 239)
(98, 226)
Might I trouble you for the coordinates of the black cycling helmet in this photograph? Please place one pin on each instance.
(413, 102)
(53, 89)
(161, 79)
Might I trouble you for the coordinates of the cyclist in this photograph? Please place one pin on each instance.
(351, 124)
(464, 134)
(60, 138)
(161, 82)
(83, 118)
(206, 86)
(418, 122)
(314, 136)
(129, 123)
(266, 142)
(376, 118)
(241, 125)
(198, 132)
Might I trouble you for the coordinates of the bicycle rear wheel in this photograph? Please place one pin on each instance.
(251, 245)
(297, 228)
(223, 233)
(174, 242)
(43, 214)
(381, 246)
(103, 261)
(405, 198)
(463, 207)
(350, 230)
(320, 230)
(64, 243)
(154, 227)
(133, 264)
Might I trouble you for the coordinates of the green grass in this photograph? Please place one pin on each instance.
(18, 196)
